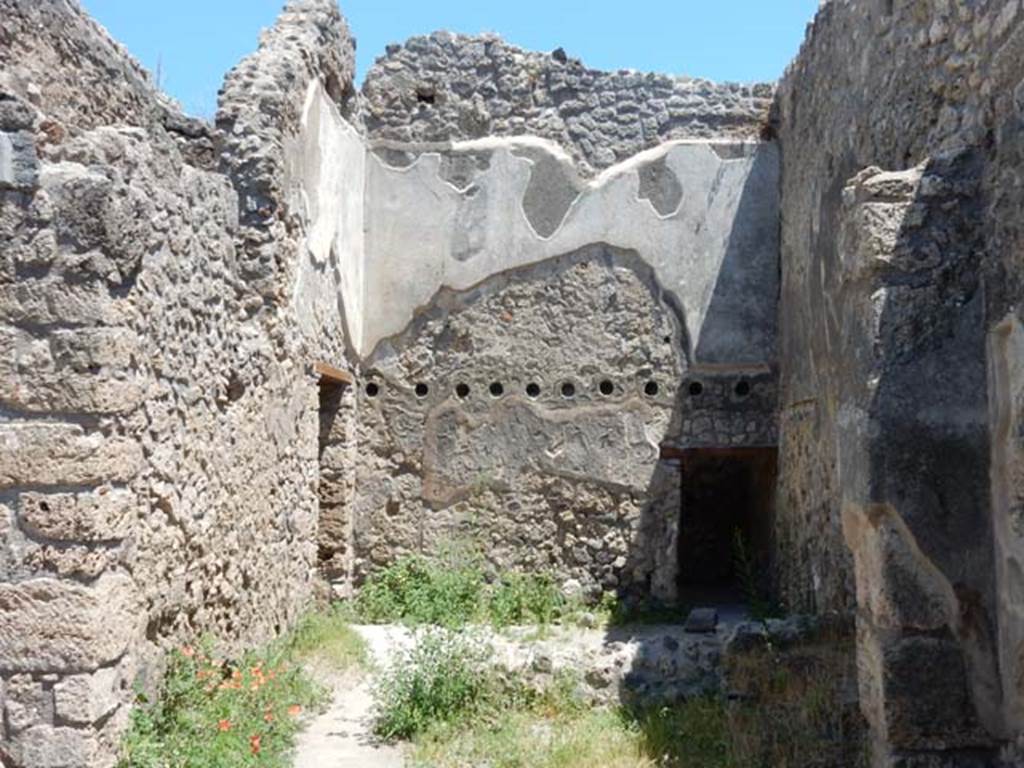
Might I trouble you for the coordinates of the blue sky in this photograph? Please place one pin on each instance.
(194, 42)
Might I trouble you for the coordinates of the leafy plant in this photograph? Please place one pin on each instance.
(454, 592)
(416, 591)
(215, 713)
(443, 677)
(519, 598)
(759, 601)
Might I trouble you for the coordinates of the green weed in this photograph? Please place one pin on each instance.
(442, 678)
(326, 639)
(759, 602)
(454, 592)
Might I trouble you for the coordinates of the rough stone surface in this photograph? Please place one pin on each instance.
(447, 87)
(901, 148)
(158, 450)
(552, 286)
(50, 625)
(85, 699)
(702, 620)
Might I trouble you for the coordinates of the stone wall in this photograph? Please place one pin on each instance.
(449, 87)
(531, 341)
(535, 343)
(158, 407)
(171, 467)
(900, 138)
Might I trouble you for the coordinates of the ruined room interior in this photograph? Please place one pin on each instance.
(612, 326)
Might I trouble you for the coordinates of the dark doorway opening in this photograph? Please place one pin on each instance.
(333, 530)
(725, 524)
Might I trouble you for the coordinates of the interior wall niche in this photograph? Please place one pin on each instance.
(725, 524)
(334, 531)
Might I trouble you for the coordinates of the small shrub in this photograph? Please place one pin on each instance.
(442, 678)
(693, 734)
(759, 602)
(214, 714)
(453, 592)
(525, 599)
(416, 591)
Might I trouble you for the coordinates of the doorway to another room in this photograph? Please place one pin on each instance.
(725, 524)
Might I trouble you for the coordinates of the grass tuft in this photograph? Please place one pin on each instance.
(326, 639)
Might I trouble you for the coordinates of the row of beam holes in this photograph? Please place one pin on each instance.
(533, 390)
(606, 388)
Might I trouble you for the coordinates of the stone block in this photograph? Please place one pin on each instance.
(55, 454)
(48, 747)
(914, 689)
(19, 165)
(15, 114)
(26, 704)
(105, 514)
(702, 620)
(84, 699)
(48, 301)
(84, 562)
(81, 370)
(897, 586)
(48, 625)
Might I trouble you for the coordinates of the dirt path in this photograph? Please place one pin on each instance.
(656, 655)
(341, 737)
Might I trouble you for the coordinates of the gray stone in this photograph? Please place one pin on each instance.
(702, 620)
(56, 747)
(19, 166)
(85, 699)
(48, 625)
(26, 704)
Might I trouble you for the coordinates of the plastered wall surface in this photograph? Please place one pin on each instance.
(430, 289)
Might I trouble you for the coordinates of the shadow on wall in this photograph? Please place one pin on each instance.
(913, 454)
(727, 398)
(718, 455)
(740, 324)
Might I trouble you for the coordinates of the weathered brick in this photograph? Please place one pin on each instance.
(104, 514)
(53, 454)
(47, 625)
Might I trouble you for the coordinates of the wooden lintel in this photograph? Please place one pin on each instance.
(332, 374)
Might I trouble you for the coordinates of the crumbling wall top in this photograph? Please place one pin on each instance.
(448, 87)
(261, 106)
(53, 55)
